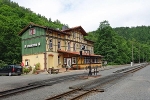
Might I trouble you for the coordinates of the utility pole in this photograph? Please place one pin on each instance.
(132, 54)
(143, 56)
(139, 53)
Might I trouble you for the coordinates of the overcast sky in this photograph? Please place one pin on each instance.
(89, 13)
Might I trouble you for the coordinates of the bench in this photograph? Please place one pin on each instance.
(53, 71)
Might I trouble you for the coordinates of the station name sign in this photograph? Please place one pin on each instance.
(32, 45)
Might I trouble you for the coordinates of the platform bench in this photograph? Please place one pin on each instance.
(54, 71)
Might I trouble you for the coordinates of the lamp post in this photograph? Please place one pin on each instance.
(90, 69)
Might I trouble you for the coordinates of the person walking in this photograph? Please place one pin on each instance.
(90, 71)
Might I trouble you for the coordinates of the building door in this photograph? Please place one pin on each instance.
(69, 62)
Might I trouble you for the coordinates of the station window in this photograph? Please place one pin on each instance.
(93, 60)
(96, 60)
(80, 36)
(65, 60)
(81, 47)
(50, 44)
(73, 60)
(85, 60)
(74, 46)
(68, 46)
(58, 59)
(68, 37)
(59, 36)
(74, 35)
(32, 31)
(59, 45)
(27, 62)
(91, 49)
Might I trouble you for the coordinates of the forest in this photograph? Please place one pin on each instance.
(119, 45)
(12, 19)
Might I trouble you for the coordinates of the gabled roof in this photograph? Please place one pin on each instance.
(44, 27)
(76, 28)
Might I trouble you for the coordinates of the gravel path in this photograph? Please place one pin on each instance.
(134, 87)
(45, 92)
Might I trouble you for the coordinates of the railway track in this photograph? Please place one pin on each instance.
(87, 88)
(77, 91)
(71, 95)
(38, 84)
(18, 90)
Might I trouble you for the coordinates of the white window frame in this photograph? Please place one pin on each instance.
(96, 60)
(51, 43)
(26, 62)
(74, 46)
(88, 60)
(32, 31)
(80, 36)
(74, 34)
(69, 46)
(91, 50)
(58, 60)
(59, 44)
(80, 46)
(65, 60)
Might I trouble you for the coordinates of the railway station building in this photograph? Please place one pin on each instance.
(57, 48)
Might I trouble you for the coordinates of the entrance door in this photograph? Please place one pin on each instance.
(69, 62)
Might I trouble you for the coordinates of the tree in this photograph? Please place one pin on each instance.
(106, 42)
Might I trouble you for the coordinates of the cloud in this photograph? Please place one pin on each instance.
(89, 13)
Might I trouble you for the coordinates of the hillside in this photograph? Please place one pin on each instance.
(123, 44)
(12, 19)
(139, 33)
(115, 44)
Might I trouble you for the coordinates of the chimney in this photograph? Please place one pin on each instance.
(64, 27)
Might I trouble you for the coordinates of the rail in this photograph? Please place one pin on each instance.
(94, 85)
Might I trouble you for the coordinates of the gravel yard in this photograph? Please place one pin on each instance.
(134, 87)
(124, 88)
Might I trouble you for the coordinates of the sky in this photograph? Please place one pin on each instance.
(89, 13)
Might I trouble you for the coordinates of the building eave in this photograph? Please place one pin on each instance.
(75, 28)
(30, 25)
(77, 53)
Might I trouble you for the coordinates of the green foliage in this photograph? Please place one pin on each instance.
(2, 63)
(12, 19)
(37, 66)
(26, 70)
(30, 68)
(116, 44)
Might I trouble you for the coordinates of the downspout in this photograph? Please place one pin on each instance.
(45, 54)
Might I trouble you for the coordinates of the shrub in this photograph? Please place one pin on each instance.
(30, 68)
(2, 63)
(26, 70)
(37, 66)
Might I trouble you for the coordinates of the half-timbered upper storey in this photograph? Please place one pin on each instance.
(53, 45)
